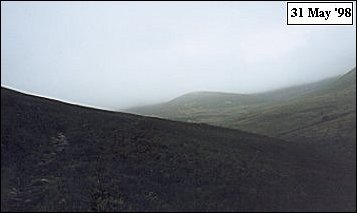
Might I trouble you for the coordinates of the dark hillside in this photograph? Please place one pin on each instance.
(62, 157)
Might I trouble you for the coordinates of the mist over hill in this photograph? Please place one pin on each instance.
(323, 112)
(216, 106)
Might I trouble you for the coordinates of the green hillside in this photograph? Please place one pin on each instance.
(323, 112)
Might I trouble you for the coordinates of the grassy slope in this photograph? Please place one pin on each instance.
(325, 116)
(320, 112)
(200, 103)
(61, 157)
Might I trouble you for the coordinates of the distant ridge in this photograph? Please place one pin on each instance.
(323, 112)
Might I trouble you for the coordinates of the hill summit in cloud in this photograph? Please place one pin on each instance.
(323, 113)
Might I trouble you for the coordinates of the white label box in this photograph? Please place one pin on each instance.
(320, 13)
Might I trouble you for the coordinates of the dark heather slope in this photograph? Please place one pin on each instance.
(62, 157)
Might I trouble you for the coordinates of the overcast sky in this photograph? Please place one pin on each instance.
(120, 54)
